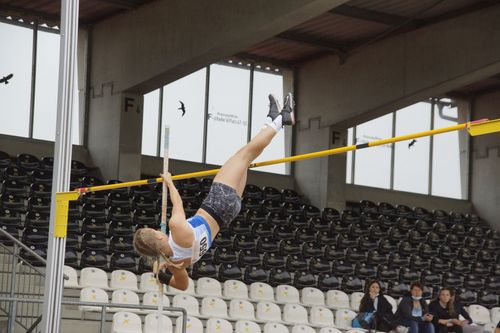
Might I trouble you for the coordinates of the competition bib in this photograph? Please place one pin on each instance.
(200, 247)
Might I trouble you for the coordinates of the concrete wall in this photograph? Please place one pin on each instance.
(485, 162)
(384, 77)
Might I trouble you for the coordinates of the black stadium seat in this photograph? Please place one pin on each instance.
(328, 282)
(255, 274)
(229, 272)
(303, 279)
(279, 276)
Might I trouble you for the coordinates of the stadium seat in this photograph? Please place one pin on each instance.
(351, 283)
(253, 191)
(150, 298)
(479, 314)
(302, 279)
(321, 316)
(260, 291)
(203, 268)
(487, 299)
(151, 324)
(275, 328)
(72, 281)
(93, 295)
(287, 294)
(355, 300)
(268, 311)
(337, 299)
(193, 325)
(125, 261)
(213, 307)
(312, 296)
(248, 258)
(333, 252)
(343, 318)
(303, 329)
(245, 326)
(218, 325)
(187, 302)
(241, 309)
(279, 276)
(121, 279)
(208, 287)
(234, 289)
(93, 277)
(319, 265)
(189, 291)
(327, 281)
(466, 297)
(329, 330)
(148, 282)
(124, 296)
(296, 263)
(295, 314)
(126, 322)
(255, 274)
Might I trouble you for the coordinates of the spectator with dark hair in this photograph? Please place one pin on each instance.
(375, 302)
(413, 312)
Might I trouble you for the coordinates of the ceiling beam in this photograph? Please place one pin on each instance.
(125, 4)
(263, 59)
(324, 44)
(19, 12)
(369, 15)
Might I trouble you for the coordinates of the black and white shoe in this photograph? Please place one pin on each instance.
(287, 112)
(274, 107)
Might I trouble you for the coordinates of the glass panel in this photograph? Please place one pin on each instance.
(373, 165)
(446, 158)
(411, 159)
(228, 112)
(264, 84)
(15, 58)
(46, 86)
(150, 123)
(186, 129)
(348, 177)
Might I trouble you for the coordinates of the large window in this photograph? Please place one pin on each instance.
(406, 165)
(16, 59)
(17, 109)
(209, 123)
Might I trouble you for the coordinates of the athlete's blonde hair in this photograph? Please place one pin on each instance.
(147, 244)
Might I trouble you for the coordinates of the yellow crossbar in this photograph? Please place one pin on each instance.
(474, 128)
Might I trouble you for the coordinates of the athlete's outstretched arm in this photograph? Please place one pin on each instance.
(178, 213)
(180, 278)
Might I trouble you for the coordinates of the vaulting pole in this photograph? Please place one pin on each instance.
(474, 128)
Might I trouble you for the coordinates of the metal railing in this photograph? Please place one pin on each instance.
(20, 278)
(104, 309)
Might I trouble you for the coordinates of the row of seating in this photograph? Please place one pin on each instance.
(130, 322)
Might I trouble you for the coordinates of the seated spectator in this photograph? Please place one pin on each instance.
(445, 315)
(374, 301)
(413, 312)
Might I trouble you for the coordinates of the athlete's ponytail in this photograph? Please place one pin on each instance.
(147, 244)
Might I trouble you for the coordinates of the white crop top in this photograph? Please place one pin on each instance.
(201, 243)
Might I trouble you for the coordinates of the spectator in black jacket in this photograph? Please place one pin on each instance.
(445, 315)
(413, 312)
(375, 301)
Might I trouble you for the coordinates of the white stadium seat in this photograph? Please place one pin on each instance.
(489, 328)
(93, 277)
(260, 291)
(126, 322)
(151, 324)
(356, 300)
(213, 307)
(303, 329)
(245, 326)
(148, 282)
(193, 325)
(479, 314)
(121, 279)
(241, 309)
(295, 314)
(218, 325)
(187, 302)
(287, 294)
(312, 296)
(94, 295)
(337, 299)
(208, 287)
(321, 316)
(124, 296)
(235, 289)
(355, 331)
(344, 317)
(150, 298)
(268, 311)
(275, 328)
(495, 315)
(72, 281)
(188, 291)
